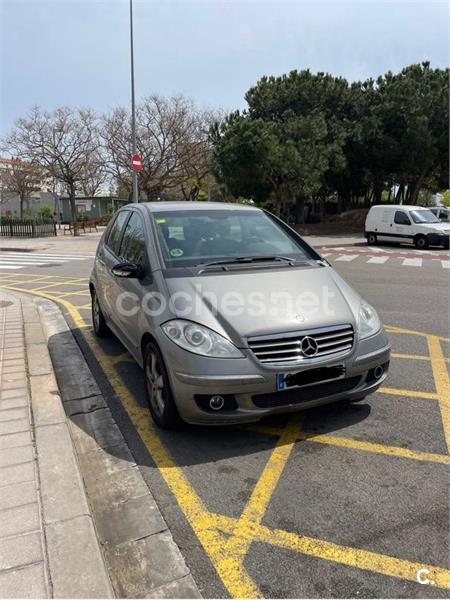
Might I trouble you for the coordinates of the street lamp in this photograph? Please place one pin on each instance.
(133, 107)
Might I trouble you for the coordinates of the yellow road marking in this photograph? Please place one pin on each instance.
(408, 393)
(238, 545)
(394, 329)
(210, 528)
(240, 585)
(344, 555)
(58, 283)
(442, 382)
(409, 356)
(332, 440)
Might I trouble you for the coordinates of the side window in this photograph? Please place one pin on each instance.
(113, 240)
(444, 215)
(133, 242)
(401, 218)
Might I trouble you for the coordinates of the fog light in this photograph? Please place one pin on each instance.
(378, 372)
(216, 403)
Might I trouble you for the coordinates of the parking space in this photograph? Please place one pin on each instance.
(344, 500)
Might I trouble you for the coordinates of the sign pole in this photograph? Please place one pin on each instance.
(133, 107)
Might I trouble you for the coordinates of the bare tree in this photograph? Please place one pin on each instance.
(62, 142)
(22, 178)
(95, 176)
(172, 139)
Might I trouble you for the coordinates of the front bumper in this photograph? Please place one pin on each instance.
(438, 239)
(253, 387)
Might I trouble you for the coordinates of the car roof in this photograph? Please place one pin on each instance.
(187, 205)
(401, 206)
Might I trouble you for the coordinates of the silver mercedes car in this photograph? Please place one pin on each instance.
(231, 314)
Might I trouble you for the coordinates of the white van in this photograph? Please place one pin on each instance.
(406, 224)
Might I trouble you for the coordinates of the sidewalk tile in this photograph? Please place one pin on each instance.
(14, 425)
(28, 582)
(15, 439)
(18, 494)
(20, 519)
(20, 550)
(16, 474)
(20, 402)
(9, 414)
(13, 394)
(76, 564)
(16, 456)
(45, 401)
(62, 490)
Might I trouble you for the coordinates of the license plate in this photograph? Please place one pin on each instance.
(310, 376)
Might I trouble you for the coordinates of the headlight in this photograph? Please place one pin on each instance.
(199, 339)
(369, 321)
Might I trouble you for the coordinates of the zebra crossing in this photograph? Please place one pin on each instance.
(12, 261)
(381, 256)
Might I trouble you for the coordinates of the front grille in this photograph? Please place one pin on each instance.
(305, 394)
(287, 347)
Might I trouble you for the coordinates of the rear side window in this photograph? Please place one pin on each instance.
(133, 242)
(401, 218)
(113, 241)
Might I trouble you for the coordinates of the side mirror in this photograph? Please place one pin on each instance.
(128, 270)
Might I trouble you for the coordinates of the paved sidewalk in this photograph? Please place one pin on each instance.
(48, 545)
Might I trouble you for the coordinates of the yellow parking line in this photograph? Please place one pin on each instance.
(400, 330)
(395, 451)
(239, 584)
(408, 393)
(331, 440)
(409, 356)
(58, 283)
(442, 383)
(352, 557)
(238, 545)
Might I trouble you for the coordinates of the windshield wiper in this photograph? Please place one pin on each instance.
(247, 259)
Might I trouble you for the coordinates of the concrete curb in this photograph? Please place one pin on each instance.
(76, 565)
(140, 553)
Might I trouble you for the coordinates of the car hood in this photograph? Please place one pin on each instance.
(441, 226)
(247, 303)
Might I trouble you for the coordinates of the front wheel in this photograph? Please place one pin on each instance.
(100, 327)
(421, 242)
(157, 385)
(372, 239)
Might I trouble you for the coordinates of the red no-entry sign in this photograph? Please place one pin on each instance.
(136, 163)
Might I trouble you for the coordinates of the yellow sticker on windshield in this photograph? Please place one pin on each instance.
(160, 221)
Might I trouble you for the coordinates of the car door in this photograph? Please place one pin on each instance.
(403, 230)
(107, 258)
(127, 293)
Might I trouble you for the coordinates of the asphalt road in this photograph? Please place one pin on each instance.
(346, 500)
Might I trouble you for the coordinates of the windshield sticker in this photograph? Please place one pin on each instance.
(176, 252)
(160, 221)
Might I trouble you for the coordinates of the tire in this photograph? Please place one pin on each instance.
(101, 329)
(159, 393)
(420, 242)
(372, 239)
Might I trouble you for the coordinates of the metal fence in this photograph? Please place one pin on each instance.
(26, 228)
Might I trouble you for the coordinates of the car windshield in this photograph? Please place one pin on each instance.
(196, 237)
(423, 216)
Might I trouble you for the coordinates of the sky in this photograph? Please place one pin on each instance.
(76, 52)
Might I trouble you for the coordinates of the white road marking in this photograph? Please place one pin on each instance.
(445, 264)
(378, 260)
(346, 257)
(18, 260)
(412, 262)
